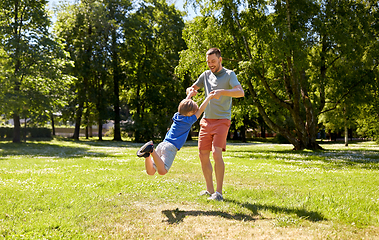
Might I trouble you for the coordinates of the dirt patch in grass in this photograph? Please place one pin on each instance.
(184, 221)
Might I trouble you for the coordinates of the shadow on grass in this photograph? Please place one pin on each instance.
(177, 216)
(49, 149)
(301, 213)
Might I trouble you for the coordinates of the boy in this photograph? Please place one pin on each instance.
(164, 155)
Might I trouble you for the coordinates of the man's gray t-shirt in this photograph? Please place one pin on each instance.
(224, 79)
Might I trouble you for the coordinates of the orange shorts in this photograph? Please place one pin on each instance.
(213, 132)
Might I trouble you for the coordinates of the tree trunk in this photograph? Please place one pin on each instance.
(16, 129)
(100, 107)
(78, 121)
(52, 123)
(263, 131)
(346, 129)
(243, 133)
(117, 129)
(25, 130)
(86, 116)
(100, 130)
(116, 76)
(16, 117)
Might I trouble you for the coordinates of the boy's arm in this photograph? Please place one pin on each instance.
(204, 105)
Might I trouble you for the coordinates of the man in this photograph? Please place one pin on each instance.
(215, 124)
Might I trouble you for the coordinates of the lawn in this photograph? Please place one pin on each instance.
(64, 189)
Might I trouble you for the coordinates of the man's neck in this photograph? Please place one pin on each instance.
(219, 71)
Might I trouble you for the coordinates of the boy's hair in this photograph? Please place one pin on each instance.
(186, 106)
(214, 51)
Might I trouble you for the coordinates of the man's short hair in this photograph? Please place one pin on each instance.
(186, 106)
(214, 51)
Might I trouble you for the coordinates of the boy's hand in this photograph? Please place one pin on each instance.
(211, 95)
(191, 91)
(216, 94)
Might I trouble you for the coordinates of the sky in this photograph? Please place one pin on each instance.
(178, 3)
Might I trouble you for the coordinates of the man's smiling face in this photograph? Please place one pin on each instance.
(214, 63)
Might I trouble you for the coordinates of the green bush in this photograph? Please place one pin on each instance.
(39, 132)
(6, 132)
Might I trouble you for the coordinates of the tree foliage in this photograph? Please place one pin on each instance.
(154, 92)
(297, 58)
(95, 37)
(32, 61)
(125, 60)
(303, 63)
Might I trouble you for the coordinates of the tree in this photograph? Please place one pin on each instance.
(94, 37)
(31, 59)
(355, 62)
(287, 56)
(75, 30)
(367, 115)
(118, 10)
(151, 54)
(90, 38)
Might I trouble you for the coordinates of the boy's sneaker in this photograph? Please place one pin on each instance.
(146, 149)
(216, 196)
(205, 193)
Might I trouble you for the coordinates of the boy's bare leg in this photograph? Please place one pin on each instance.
(149, 166)
(158, 163)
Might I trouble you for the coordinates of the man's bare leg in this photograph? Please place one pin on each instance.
(219, 168)
(206, 166)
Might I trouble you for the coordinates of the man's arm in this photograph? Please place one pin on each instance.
(236, 92)
(190, 92)
(204, 105)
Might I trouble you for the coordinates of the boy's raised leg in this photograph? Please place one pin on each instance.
(146, 149)
(149, 166)
(159, 163)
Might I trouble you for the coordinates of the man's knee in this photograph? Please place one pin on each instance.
(217, 153)
(204, 154)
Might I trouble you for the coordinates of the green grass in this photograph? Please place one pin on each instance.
(63, 189)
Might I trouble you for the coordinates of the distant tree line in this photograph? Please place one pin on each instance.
(305, 65)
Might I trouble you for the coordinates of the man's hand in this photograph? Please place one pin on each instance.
(236, 92)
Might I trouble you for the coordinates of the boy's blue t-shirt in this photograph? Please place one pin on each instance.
(178, 132)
